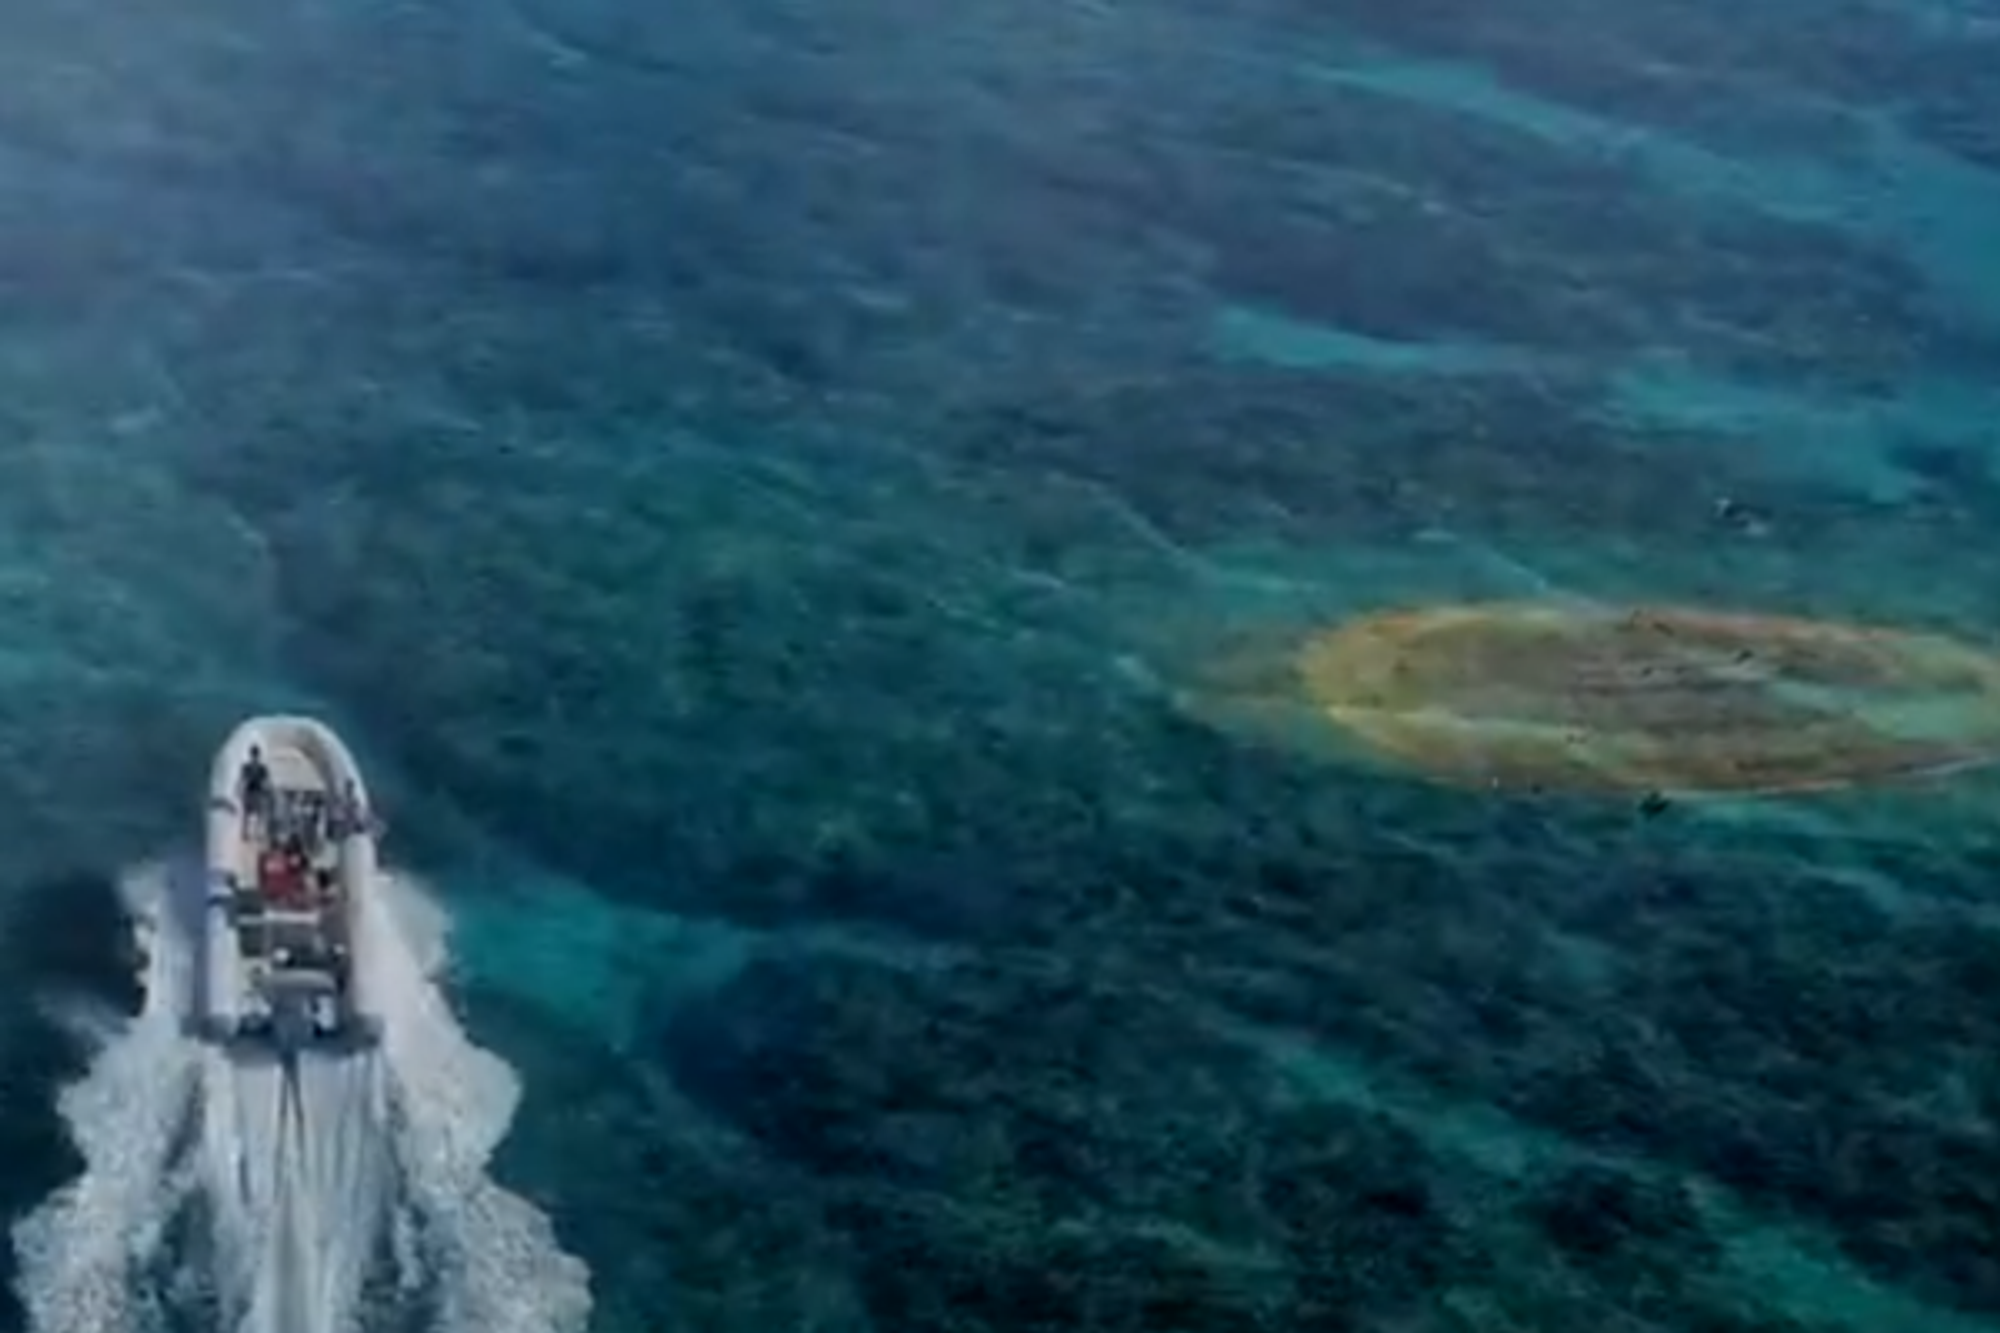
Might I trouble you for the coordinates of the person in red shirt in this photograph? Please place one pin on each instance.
(277, 875)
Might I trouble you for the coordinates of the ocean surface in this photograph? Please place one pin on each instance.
(776, 494)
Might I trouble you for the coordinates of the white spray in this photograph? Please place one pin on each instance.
(346, 1193)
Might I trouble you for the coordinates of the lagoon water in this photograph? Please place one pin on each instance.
(769, 490)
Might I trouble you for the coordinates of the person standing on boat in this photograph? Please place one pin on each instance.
(253, 790)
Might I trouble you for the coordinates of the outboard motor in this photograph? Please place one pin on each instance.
(291, 1028)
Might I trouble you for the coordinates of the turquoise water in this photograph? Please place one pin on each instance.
(753, 481)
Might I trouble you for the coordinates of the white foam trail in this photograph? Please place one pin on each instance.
(79, 1250)
(301, 1164)
(492, 1255)
(294, 1194)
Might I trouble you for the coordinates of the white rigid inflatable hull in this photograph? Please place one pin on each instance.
(284, 741)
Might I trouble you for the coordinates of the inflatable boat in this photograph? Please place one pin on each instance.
(291, 854)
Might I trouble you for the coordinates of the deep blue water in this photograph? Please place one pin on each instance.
(747, 476)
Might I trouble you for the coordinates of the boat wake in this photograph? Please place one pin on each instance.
(331, 1193)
